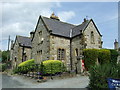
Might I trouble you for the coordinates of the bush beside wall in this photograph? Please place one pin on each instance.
(104, 56)
(90, 57)
(53, 66)
(114, 55)
(25, 66)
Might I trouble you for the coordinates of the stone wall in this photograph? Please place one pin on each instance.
(97, 37)
(76, 44)
(17, 53)
(62, 43)
(40, 43)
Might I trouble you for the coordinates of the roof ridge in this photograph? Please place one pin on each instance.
(58, 21)
(22, 36)
(80, 24)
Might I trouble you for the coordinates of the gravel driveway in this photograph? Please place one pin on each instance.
(26, 82)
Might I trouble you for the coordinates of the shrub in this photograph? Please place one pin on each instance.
(3, 67)
(52, 66)
(90, 57)
(25, 66)
(114, 55)
(100, 73)
(26, 63)
(104, 56)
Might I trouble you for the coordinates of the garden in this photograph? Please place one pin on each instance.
(39, 71)
(101, 64)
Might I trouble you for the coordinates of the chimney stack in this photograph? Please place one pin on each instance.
(31, 34)
(116, 46)
(53, 16)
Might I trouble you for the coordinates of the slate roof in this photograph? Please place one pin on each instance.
(24, 41)
(78, 29)
(64, 29)
(58, 27)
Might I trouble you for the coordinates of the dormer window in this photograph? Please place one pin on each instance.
(92, 37)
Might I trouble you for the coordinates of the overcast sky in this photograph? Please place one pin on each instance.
(19, 18)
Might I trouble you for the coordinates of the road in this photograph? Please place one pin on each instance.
(26, 82)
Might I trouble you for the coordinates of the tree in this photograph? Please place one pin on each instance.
(5, 56)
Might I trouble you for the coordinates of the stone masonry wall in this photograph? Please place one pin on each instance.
(40, 42)
(97, 37)
(76, 44)
(62, 43)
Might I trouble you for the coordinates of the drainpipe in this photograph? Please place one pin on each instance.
(23, 52)
(71, 53)
(71, 49)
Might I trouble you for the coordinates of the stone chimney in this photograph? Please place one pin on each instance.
(31, 34)
(53, 16)
(116, 46)
(85, 19)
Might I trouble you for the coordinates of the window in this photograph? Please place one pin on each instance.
(40, 52)
(92, 37)
(99, 41)
(61, 54)
(40, 36)
(76, 52)
(40, 33)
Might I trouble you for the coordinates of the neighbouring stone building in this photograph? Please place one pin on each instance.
(20, 50)
(57, 40)
(117, 48)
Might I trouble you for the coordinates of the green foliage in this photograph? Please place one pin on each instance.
(53, 66)
(104, 56)
(100, 73)
(114, 55)
(26, 63)
(25, 66)
(5, 56)
(3, 67)
(90, 57)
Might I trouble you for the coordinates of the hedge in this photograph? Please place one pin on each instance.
(90, 57)
(25, 66)
(26, 63)
(104, 56)
(52, 66)
(46, 67)
(100, 73)
(114, 55)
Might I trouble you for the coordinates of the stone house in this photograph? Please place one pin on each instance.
(20, 50)
(57, 40)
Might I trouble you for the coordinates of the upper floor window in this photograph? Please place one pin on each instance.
(99, 41)
(40, 36)
(92, 37)
(40, 32)
(61, 54)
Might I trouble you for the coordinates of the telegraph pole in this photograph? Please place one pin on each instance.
(8, 42)
(8, 47)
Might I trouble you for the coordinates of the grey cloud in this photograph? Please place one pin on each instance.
(21, 18)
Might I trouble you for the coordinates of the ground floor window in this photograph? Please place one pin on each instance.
(61, 54)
